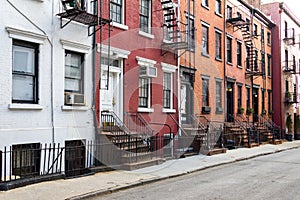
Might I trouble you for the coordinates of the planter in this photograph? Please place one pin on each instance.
(289, 137)
(297, 136)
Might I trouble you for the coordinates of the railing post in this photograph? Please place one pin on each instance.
(248, 135)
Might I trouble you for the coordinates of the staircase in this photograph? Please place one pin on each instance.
(271, 132)
(126, 149)
(174, 38)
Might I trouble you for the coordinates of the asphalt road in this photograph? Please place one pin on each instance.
(275, 176)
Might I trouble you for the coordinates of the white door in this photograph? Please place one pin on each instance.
(110, 96)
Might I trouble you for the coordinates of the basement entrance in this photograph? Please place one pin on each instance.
(74, 158)
(230, 101)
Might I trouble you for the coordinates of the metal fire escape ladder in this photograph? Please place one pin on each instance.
(174, 38)
(248, 37)
(75, 10)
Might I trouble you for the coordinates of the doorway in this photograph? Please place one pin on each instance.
(74, 158)
(230, 101)
(187, 99)
(255, 104)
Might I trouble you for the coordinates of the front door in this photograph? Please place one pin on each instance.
(110, 92)
(255, 104)
(187, 99)
(230, 102)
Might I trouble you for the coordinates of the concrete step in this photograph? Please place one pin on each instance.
(143, 164)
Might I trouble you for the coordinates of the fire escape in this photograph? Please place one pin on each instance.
(290, 68)
(254, 70)
(174, 37)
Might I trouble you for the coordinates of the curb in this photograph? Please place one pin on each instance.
(102, 192)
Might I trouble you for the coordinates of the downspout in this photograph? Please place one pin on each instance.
(224, 56)
(179, 80)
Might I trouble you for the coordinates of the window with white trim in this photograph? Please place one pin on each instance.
(205, 92)
(219, 7)
(205, 3)
(167, 90)
(25, 72)
(144, 92)
(229, 50)
(218, 45)
(116, 11)
(218, 94)
(145, 16)
(205, 40)
(73, 72)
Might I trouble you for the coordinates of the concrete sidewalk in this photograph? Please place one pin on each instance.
(107, 182)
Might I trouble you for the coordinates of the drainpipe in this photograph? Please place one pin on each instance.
(224, 56)
(179, 80)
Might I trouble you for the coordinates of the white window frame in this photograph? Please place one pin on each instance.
(32, 37)
(120, 25)
(141, 32)
(146, 62)
(80, 48)
(168, 68)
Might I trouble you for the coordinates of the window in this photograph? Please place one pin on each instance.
(205, 3)
(263, 64)
(73, 72)
(269, 64)
(248, 98)
(255, 33)
(218, 45)
(263, 101)
(204, 40)
(26, 159)
(269, 37)
(205, 92)
(167, 89)
(229, 50)
(116, 11)
(248, 23)
(239, 100)
(286, 55)
(219, 7)
(248, 57)
(218, 94)
(269, 100)
(239, 53)
(285, 29)
(255, 58)
(145, 11)
(144, 92)
(191, 31)
(262, 35)
(229, 12)
(25, 72)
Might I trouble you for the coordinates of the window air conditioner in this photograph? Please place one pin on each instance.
(74, 99)
(148, 71)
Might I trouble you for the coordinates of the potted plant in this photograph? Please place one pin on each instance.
(289, 125)
(264, 112)
(288, 97)
(250, 111)
(241, 110)
(271, 112)
(297, 128)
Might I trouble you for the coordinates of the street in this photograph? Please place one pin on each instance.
(274, 176)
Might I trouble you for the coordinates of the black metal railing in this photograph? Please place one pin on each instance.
(289, 66)
(291, 97)
(137, 125)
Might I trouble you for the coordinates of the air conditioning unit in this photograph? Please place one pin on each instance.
(74, 99)
(148, 71)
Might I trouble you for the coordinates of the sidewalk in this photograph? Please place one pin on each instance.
(107, 182)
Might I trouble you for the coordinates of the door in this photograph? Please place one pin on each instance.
(187, 99)
(110, 92)
(255, 104)
(74, 158)
(230, 102)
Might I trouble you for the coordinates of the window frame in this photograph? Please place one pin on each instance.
(205, 92)
(35, 73)
(269, 64)
(205, 39)
(191, 30)
(148, 16)
(144, 92)
(81, 78)
(205, 3)
(118, 5)
(239, 54)
(268, 38)
(167, 90)
(218, 94)
(229, 50)
(239, 96)
(218, 41)
(218, 5)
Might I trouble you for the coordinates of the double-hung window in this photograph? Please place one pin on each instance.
(219, 7)
(25, 72)
(116, 10)
(145, 16)
(239, 53)
(218, 95)
(229, 50)
(167, 90)
(205, 40)
(144, 92)
(205, 3)
(218, 45)
(205, 92)
(73, 72)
